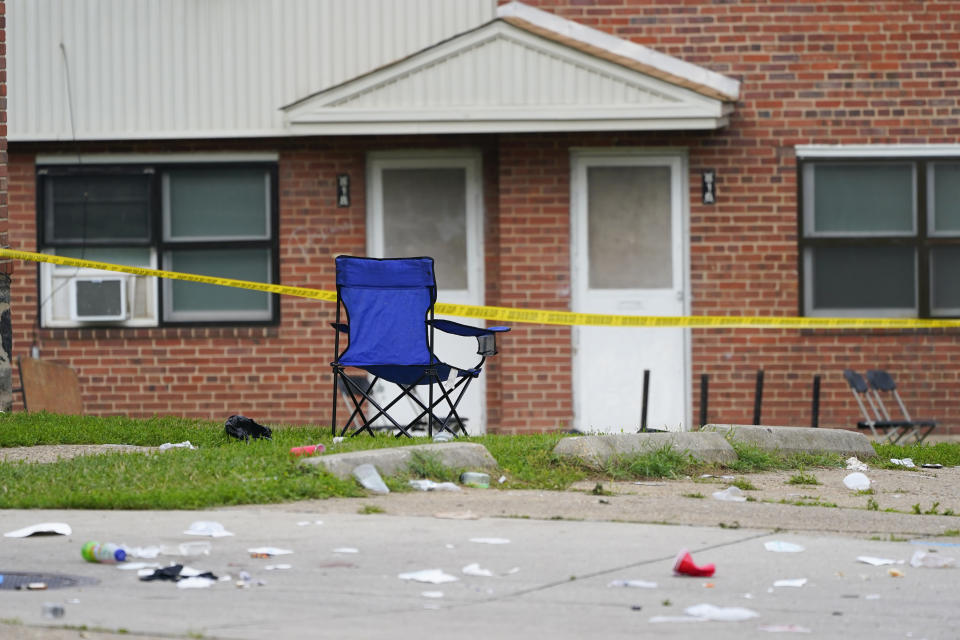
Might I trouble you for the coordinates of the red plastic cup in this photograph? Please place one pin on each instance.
(685, 566)
(308, 450)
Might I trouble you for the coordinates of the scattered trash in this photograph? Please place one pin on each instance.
(708, 475)
(904, 462)
(243, 428)
(501, 479)
(639, 584)
(872, 596)
(857, 482)
(346, 550)
(194, 549)
(443, 436)
(895, 573)
(661, 619)
(475, 570)
(877, 562)
(198, 582)
(207, 528)
(367, 475)
(432, 594)
(513, 571)
(277, 567)
(430, 485)
(456, 515)
(684, 566)
(793, 582)
(432, 576)
(136, 566)
(306, 523)
(52, 610)
(854, 464)
(490, 540)
(105, 553)
(709, 585)
(176, 445)
(932, 465)
(779, 546)
(730, 494)
(267, 552)
(308, 450)
(720, 614)
(784, 628)
(338, 440)
(176, 573)
(931, 560)
(42, 529)
(36, 586)
(475, 479)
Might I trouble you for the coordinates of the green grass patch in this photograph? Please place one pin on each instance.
(744, 485)
(693, 495)
(945, 453)
(665, 462)
(803, 478)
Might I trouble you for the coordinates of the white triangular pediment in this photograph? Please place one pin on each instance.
(499, 78)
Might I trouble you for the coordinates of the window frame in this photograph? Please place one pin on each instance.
(922, 240)
(159, 246)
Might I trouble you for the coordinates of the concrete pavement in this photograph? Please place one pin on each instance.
(558, 590)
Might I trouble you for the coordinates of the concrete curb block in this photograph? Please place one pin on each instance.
(788, 440)
(596, 450)
(394, 460)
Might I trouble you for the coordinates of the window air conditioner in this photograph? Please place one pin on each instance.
(98, 299)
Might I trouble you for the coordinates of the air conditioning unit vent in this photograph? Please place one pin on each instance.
(98, 299)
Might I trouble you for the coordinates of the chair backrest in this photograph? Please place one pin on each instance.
(881, 380)
(387, 303)
(855, 380)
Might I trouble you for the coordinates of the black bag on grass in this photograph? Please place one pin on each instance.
(243, 428)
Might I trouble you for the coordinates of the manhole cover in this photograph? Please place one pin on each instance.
(25, 580)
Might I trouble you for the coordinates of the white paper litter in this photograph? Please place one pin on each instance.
(854, 464)
(475, 570)
(136, 566)
(207, 528)
(176, 445)
(931, 560)
(346, 550)
(877, 562)
(368, 476)
(857, 482)
(639, 584)
(42, 529)
(720, 614)
(432, 576)
(730, 494)
(791, 582)
(432, 594)
(269, 551)
(195, 583)
(490, 540)
(904, 462)
(659, 619)
(782, 547)
(784, 628)
(277, 567)
(430, 485)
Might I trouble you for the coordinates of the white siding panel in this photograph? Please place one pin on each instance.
(202, 68)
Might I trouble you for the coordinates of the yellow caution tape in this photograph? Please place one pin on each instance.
(509, 314)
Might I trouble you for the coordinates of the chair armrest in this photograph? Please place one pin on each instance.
(457, 329)
(341, 327)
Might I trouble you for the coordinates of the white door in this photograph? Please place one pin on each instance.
(629, 258)
(430, 204)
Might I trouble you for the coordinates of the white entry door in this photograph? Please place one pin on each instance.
(628, 215)
(430, 204)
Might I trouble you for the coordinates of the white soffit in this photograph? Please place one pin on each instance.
(504, 77)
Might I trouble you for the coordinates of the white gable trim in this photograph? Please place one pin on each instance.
(426, 92)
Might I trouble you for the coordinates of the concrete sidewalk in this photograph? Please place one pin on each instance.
(558, 590)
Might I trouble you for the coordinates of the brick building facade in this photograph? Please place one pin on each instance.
(879, 79)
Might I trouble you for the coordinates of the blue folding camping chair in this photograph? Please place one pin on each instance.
(389, 306)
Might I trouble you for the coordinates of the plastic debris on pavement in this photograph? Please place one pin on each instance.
(176, 445)
(195, 583)
(207, 528)
(430, 485)
(456, 515)
(730, 494)
(432, 594)
(903, 462)
(137, 566)
(267, 552)
(474, 569)
(784, 628)
(277, 567)
(490, 540)
(346, 550)
(662, 619)
(42, 529)
(778, 546)
(877, 562)
(308, 450)
(307, 523)
(638, 584)
(720, 614)
(431, 576)
(895, 573)
(857, 482)
(685, 566)
(475, 479)
(931, 560)
(369, 478)
(791, 582)
(854, 464)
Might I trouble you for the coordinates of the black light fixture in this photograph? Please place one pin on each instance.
(709, 186)
(343, 190)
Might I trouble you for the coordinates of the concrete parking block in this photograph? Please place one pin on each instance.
(595, 450)
(788, 440)
(394, 460)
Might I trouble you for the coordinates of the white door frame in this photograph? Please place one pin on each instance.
(470, 161)
(678, 159)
